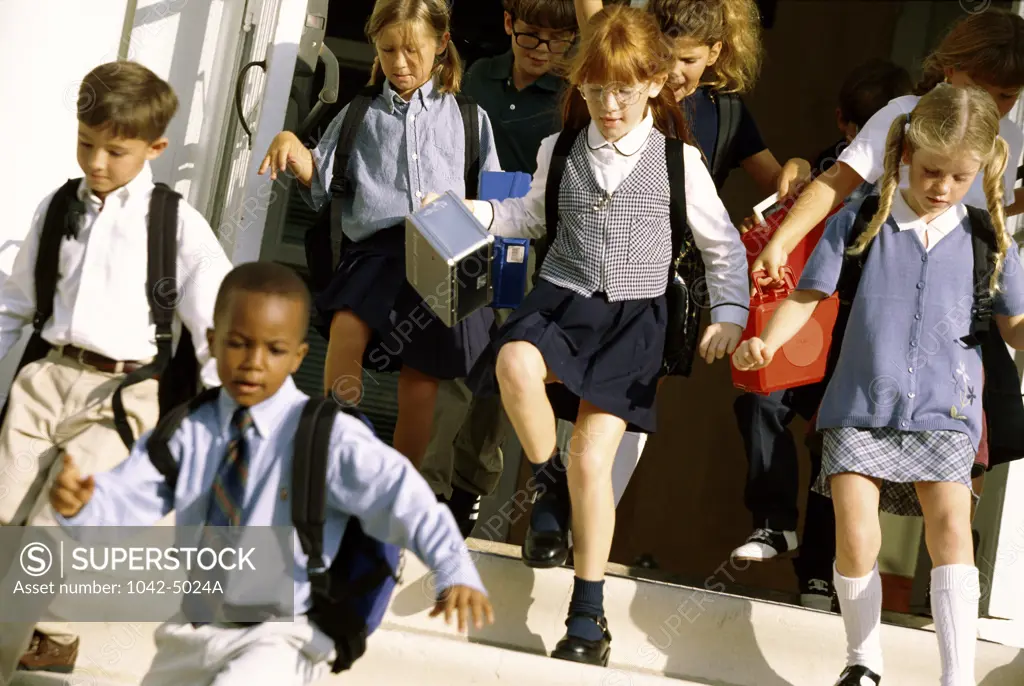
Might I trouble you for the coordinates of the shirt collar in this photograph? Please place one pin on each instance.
(501, 70)
(426, 94)
(906, 218)
(630, 144)
(142, 181)
(267, 416)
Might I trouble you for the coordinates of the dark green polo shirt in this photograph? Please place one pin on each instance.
(521, 118)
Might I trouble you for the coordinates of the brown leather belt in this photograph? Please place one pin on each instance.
(97, 361)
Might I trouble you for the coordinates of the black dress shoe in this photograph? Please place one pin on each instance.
(545, 549)
(581, 650)
(858, 675)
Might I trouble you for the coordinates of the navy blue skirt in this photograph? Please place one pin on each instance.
(607, 353)
(370, 282)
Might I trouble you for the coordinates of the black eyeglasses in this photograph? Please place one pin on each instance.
(530, 41)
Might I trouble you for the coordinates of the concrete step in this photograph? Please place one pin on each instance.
(684, 632)
(393, 657)
(662, 633)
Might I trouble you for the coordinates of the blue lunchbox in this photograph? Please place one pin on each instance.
(511, 255)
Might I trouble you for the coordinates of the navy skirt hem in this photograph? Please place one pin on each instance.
(370, 282)
(607, 353)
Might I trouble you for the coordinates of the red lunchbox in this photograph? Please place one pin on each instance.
(758, 237)
(803, 359)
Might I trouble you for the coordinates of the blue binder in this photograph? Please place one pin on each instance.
(511, 255)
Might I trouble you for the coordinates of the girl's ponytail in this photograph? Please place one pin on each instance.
(449, 70)
(993, 184)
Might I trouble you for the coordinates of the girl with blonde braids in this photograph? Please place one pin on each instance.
(984, 50)
(901, 416)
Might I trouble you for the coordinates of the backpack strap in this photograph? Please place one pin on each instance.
(62, 218)
(983, 244)
(730, 113)
(471, 125)
(330, 609)
(318, 241)
(162, 293)
(677, 192)
(559, 158)
(309, 495)
(853, 265)
(158, 443)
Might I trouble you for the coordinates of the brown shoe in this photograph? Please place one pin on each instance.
(46, 655)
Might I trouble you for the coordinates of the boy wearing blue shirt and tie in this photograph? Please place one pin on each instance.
(260, 322)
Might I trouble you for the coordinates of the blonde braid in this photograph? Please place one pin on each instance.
(890, 183)
(993, 183)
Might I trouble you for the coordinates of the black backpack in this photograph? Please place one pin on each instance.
(349, 599)
(321, 259)
(178, 371)
(1001, 395)
(682, 294)
(730, 112)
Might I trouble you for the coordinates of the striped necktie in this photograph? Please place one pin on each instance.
(226, 503)
(227, 498)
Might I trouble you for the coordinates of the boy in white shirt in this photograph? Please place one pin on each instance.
(99, 327)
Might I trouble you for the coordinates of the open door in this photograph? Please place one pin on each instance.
(280, 35)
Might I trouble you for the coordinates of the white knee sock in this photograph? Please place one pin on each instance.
(955, 593)
(861, 603)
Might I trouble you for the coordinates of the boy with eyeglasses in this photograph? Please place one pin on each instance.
(521, 92)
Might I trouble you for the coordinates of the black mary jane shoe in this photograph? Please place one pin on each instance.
(545, 549)
(858, 675)
(581, 650)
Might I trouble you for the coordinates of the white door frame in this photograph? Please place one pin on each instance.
(240, 211)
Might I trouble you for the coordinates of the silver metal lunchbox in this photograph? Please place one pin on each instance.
(448, 258)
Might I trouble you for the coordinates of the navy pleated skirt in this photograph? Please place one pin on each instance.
(607, 353)
(370, 281)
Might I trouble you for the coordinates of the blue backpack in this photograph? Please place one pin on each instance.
(349, 599)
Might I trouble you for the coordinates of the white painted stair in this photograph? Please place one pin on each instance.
(662, 634)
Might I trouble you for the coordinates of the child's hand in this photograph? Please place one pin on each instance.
(748, 224)
(288, 153)
(795, 174)
(752, 354)
(719, 339)
(771, 260)
(429, 198)
(463, 599)
(70, 492)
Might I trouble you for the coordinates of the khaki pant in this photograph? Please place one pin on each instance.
(58, 405)
(465, 447)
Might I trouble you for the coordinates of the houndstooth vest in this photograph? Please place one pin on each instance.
(619, 244)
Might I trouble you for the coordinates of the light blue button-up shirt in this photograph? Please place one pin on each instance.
(366, 479)
(402, 152)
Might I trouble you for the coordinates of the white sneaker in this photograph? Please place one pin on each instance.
(764, 544)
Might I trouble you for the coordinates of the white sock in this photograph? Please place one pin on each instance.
(861, 603)
(955, 593)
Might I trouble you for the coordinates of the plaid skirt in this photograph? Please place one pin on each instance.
(899, 459)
